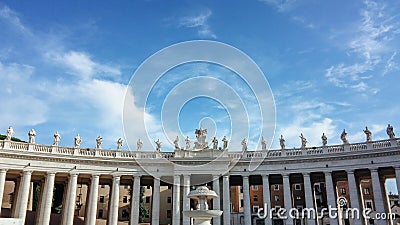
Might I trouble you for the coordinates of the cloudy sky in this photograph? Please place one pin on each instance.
(331, 65)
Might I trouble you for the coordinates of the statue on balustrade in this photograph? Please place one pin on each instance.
(303, 141)
(57, 138)
(158, 145)
(139, 145)
(32, 134)
(187, 141)
(244, 145)
(225, 146)
(201, 139)
(343, 136)
(99, 141)
(119, 143)
(78, 141)
(10, 133)
(390, 132)
(215, 143)
(324, 140)
(176, 143)
(282, 142)
(263, 143)
(368, 134)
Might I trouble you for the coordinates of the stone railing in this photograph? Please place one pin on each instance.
(288, 153)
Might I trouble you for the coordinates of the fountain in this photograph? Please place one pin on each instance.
(202, 216)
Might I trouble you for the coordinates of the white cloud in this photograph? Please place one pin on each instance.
(304, 22)
(200, 22)
(281, 5)
(12, 17)
(311, 131)
(21, 103)
(391, 65)
(81, 64)
(369, 43)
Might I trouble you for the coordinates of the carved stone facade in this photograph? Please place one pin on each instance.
(311, 177)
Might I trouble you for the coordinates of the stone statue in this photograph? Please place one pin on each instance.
(57, 138)
(10, 133)
(324, 140)
(119, 143)
(32, 134)
(244, 145)
(390, 132)
(343, 136)
(368, 133)
(215, 143)
(187, 141)
(263, 143)
(225, 142)
(176, 143)
(282, 142)
(201, 139)
(99, 141)
(158, 143)
(78, 141)
(303, 141)
(139, 145)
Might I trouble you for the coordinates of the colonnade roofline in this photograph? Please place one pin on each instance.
(182, 155)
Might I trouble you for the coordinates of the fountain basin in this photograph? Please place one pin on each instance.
(203, 214)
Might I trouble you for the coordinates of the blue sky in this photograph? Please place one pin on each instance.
(331, 65)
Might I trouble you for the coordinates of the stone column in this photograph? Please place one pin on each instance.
(267, 199)
(176, 209)
(287, 193)
(397, 170)
(378, 199)
(135, 204)
(246, 200)
(330, 195)
(23, 195)
(354, 199)
(45, 206)
(92, 204)
(155, 210)
(114, 201)
(69, 211)
(226, 206)
(3, 173)
(308, 194)
(217, 200)
(186, 201)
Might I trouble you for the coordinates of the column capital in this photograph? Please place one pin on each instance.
(306, 174)
(373, 169)
(74, 174)
(29, 172)
(51, 173)
(137, 176)
(245, 176)
(95, 175)
(216, 177)
(3, 170)
(226, 176)
(285, 175)
(351, 171)
(117, 177)
(328, 173)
